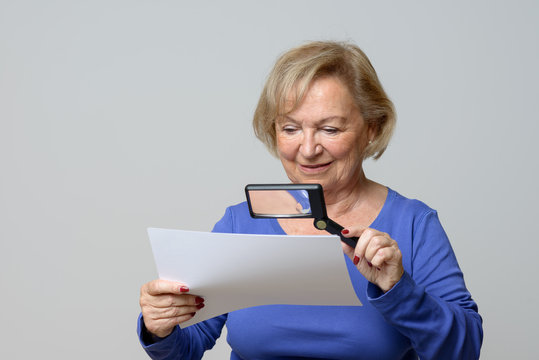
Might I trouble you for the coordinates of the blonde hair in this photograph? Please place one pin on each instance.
(297, 68)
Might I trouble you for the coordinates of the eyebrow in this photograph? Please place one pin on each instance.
(281, 119)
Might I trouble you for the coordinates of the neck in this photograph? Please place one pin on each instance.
(343, 200)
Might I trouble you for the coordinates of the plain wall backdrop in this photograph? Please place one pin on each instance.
(120, 115)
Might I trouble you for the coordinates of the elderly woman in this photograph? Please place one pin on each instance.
(322, 112)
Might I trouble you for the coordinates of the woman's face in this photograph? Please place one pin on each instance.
(322, 140)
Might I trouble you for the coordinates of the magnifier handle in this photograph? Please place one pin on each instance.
(333, 228)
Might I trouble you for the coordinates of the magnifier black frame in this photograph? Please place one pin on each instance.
(318, 208)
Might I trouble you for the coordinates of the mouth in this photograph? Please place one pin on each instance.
(316, 168)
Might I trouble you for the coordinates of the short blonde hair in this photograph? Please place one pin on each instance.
(297, 68)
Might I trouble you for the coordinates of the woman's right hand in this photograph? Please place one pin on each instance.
(165, 304)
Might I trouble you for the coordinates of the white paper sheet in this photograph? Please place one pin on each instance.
(236, 271)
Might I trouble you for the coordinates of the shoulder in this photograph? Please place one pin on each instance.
(410, 222)
(403, 202)
(419, 233)
(238, 220)
(398, 206)
(238, 211)
(233, 214)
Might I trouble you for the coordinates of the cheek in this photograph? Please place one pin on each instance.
(286, 149)
(342, 149)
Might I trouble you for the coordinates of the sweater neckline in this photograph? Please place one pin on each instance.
(387, 203)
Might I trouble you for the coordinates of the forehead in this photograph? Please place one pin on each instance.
(326, 95)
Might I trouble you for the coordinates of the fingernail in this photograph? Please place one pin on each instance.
(193, 314)
(184, 289)
(199, 300)
(356, 260)
(368, 263)
(344, 231)
(200, 306)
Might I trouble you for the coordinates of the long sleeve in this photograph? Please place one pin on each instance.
(187, 343)
(192, 341)
(428, 314)
(431, 305)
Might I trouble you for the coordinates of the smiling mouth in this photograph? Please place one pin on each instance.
(314, 168)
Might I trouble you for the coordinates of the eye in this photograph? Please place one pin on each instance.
(330, 130)
(289, 129)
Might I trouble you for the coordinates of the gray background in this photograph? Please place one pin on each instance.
(119, 115)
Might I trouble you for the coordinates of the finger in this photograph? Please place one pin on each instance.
(354, 231)
(381, 256)
(362, 243)
(158, 287)
(387, 255)
(170, 300)
(376, 243)
(171, 312)
(164, 327)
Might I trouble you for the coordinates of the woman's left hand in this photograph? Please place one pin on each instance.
(377, 256)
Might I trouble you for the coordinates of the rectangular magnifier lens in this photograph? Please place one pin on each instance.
(268, 202)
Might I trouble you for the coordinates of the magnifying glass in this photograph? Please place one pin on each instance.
(293, 201)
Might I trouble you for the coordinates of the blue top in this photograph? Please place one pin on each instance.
(429, 313)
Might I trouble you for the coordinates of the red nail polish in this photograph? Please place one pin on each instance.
(200, 306)
(193, 314)
(356, 260)
(184, 289)
(199, 300)
(368, 263)
(344, 231)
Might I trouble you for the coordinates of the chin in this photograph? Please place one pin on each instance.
(310, 180)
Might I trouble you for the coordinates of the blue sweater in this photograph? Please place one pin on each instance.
(429, 313)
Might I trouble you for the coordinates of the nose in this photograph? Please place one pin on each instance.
(310, 147)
